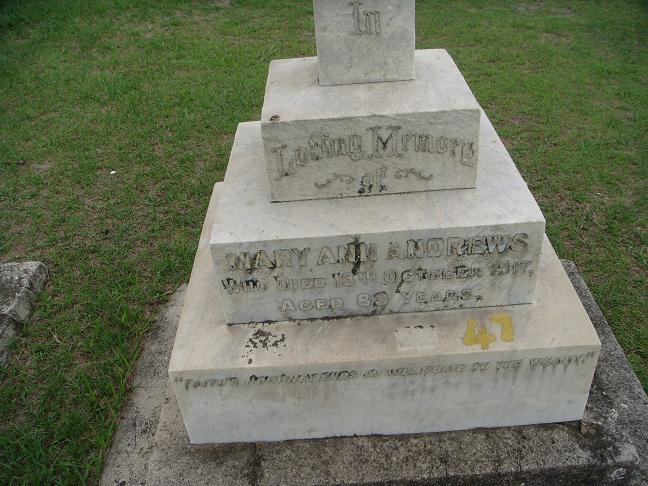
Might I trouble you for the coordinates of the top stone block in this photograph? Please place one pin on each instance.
(364, 41)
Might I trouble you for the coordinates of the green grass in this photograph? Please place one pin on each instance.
(153, 90)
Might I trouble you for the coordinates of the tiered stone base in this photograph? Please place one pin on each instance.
(414, 252)
(396, 374)
(368, 139)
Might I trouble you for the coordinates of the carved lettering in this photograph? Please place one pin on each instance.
(467, 153)
(407, 275)
(499, 243)
(385, 147)
(287, 305)
(234, 286)
(242, 261)
(365, 22)
(382, 142)
(267, 259)
(379, 300)
(553, 361)
(309, 305)
(326, 256)
(353, 375)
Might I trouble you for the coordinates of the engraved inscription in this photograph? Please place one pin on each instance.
(274, 259)
(363, 277)
(412, 249)
(565, 361)
(402, 173)
(311, 305)
(430, 371)
(365, 22)
(377, 143)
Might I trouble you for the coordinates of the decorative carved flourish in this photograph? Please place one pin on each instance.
(402, 173)
(347, 179)
(372, 181)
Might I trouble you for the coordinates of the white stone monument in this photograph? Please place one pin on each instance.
(417, 310)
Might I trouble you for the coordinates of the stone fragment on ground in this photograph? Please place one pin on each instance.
(20, 283)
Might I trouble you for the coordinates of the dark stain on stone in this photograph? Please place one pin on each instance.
(262, 339)
(297, 322)
(365, 188)
(356, 262)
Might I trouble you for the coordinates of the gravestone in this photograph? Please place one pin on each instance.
(429, 301)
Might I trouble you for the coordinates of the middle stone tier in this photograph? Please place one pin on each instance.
(338, 257)
(369, 139)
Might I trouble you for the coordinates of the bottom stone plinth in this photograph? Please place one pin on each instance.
(608, 446)
(396, 374)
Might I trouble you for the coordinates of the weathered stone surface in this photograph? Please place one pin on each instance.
(369, 139)
(174, 462)
(20, 283)
(363, 41)
(546, 454)
(618, 405)
(532, 455)
(542, 454)
(134, 442)
(357, 256)
(402, 373)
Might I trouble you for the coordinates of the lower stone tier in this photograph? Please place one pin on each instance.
(398, 374)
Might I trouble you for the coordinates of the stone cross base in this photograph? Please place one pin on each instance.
(608, 446)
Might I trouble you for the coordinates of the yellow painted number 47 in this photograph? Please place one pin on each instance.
(483, 337)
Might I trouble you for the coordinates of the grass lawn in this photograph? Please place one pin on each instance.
(117, 118)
